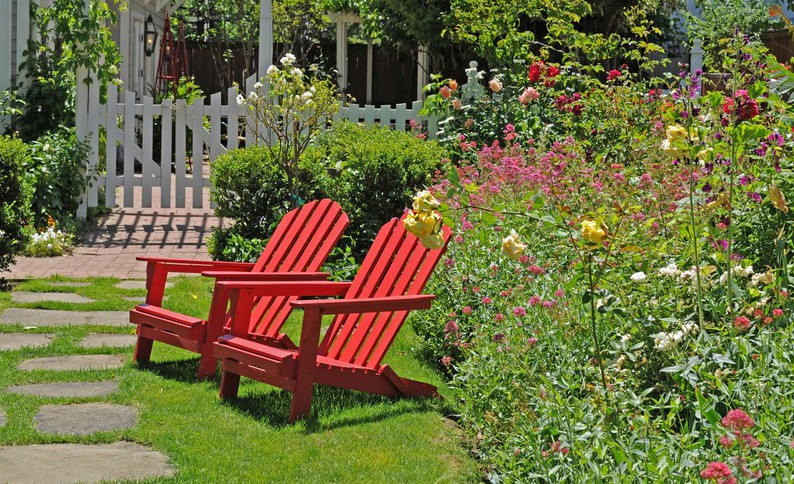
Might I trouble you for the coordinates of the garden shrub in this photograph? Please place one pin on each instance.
(14, 199)
(373, 172)
(55, 170)
(251, 189)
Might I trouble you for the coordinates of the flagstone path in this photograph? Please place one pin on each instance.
(74, 463)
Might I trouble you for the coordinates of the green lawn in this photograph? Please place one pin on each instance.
(349, 437)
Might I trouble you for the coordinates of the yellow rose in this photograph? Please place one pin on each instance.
(512, 246)
(676, 132)
(432, 241)
(424, 201)
(422, 223)
(676, 136)
(593, 231)
(778, 199)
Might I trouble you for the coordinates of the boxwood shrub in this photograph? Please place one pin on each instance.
(14, 199)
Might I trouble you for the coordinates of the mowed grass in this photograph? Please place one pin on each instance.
(349, 436)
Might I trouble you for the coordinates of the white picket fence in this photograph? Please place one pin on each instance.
(129, 137)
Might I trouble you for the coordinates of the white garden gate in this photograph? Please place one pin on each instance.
(190, 138)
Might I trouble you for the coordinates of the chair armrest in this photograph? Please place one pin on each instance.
(289, 288)
(158, 268)
(368, 305)
(267, 276)
(242, 295)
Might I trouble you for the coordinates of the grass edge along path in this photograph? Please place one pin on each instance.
(349, 437)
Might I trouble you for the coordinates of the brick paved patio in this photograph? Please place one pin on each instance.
(109, 246)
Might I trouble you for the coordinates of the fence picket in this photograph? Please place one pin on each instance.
(233, 120)
(146, 144)
(400, 117)
(166, 121)
(197, 127)
(215, 146)
(129, 153)
(369, 114)
(180, 167)
(111, 151)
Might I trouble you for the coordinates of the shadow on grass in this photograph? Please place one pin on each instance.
(178, 370)
(328, 403)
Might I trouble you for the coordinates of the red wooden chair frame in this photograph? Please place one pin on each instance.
(299, 246)
(368, 317)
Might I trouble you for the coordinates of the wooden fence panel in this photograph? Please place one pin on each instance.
(166, 122)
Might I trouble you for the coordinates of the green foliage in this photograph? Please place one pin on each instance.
(67, 38)
(719, 19)
(14, 198)
(56, 172)
(251, 189)
(49, 242)
(374, 173)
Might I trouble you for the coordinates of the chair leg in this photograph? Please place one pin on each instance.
(301, 400)
(230, 383)
(143, 350)
(207, 365)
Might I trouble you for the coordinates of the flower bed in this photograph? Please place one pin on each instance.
(615, 305)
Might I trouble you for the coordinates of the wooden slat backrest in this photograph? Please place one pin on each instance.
(301, 242)
(397, 264)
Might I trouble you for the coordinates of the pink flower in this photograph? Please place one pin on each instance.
(445, 91)
(534, 300)
(466, 310)
(613, 74)
(537, 270)
(737, 420)
(532, 341)
(742, 323)
(529, 95)
(457, 104)
(726, 441)
(559, 293)
(777, 312)
(499, 317)
(486, 300)
(451, 327)
(519, 311)
(446, 361)
(718, 472)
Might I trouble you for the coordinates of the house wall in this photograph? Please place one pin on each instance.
(14, 32)
(123, 33)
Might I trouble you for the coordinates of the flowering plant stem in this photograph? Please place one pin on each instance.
(594, 328)
(694, 228)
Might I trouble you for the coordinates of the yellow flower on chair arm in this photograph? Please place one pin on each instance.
(422, 224)
(424, 201)
(593, 232)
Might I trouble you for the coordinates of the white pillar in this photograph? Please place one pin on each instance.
(370, 56)
(422, 71)
(81, 121)
(341, 52)
(265, 36)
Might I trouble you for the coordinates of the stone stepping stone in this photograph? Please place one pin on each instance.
(48, 318)
(15, 341)
(77, 463)
(69, 363)
(95, 340)
(32, 297)
(87, 389)
(84, 418)
(137, 284)
(70, 284)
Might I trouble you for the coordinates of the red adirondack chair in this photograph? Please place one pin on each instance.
(371, 311)
(299, 246)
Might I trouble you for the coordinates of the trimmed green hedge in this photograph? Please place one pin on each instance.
(14, 199)
(373, 172)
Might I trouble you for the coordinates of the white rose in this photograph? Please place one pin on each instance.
(639, 277)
